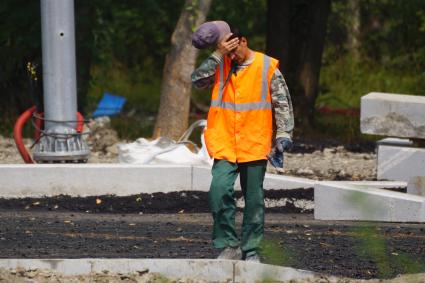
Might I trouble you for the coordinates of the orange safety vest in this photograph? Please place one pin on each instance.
(240, 124)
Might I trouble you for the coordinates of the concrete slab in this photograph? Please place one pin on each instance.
(254, 272)
(395, 142)
(38, 180)
(282, 182)
(91, 179)
(195, 269)
(400, 163)
(202, 180)
(393, 115)
(371, 184)
(342, 202)
(416, 186)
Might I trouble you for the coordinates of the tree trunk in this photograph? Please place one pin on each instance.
(311, 55)
(173, 115)
(296, 32)
(353, 32)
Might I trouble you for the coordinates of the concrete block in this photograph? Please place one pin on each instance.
(393, 115)
(202, 180)
(91, 179)
(416, 186)
(342, 202)
(64, 266)
(40, 180)
(372, 184)
(400, 163)
(194, 269)
(249, 272)
(395, 142)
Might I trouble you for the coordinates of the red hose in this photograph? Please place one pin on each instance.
(80, 123)
(346, 112)
(17, 134)
(19, 125)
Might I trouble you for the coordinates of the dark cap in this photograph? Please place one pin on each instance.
(209, 33)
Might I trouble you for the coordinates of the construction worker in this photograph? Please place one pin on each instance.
(250, 100)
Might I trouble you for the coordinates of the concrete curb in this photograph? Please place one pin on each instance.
(197, 269)
(39, 180)
(400, 163)
(344, 202)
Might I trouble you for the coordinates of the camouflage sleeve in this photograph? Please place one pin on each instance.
(282, 106)
(203, 76)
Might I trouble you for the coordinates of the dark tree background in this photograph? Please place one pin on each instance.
(296, 32)
(331, 52)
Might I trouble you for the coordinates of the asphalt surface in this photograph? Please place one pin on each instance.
(351, 249)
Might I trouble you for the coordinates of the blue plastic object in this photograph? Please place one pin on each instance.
(109, 105)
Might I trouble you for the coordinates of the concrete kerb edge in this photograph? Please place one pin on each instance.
(331, 204)
(124, 179)
(201, 269)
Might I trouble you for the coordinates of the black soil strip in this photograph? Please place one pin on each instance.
(174, 202)
(351, 249)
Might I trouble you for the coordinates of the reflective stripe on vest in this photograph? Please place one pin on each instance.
(220, 82)
(263, 105)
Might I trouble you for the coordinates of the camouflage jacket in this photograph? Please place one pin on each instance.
(203, 77)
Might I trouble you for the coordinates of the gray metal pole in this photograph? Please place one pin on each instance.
(61, 142)
(59, 73)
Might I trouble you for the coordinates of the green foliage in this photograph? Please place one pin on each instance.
(391, 59)
(137, 75)
(332, 126)
(20, 43)
(274, 253)
(345, 80)
(372, 246)
(249, 16)
(141, 92)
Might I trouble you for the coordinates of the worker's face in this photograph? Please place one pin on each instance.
(240, 53)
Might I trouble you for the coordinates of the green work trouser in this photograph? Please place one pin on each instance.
(223, 205)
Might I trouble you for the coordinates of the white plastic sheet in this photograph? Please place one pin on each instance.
(165, 151)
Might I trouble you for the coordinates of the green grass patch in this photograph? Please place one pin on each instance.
(275, 253)
(345, 80)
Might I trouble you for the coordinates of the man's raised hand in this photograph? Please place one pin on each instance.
(225, 47)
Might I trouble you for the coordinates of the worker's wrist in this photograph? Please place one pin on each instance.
(283, 135)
